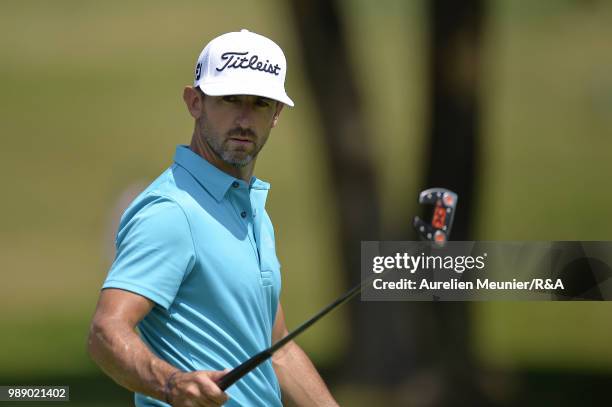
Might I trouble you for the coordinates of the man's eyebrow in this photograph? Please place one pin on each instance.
(269, 100)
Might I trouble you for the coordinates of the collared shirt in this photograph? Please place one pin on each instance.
(200, 245)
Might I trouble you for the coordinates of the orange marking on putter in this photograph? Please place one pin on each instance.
(448, 200)
(439, 217)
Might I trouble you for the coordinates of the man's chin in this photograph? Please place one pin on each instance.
(238, 162)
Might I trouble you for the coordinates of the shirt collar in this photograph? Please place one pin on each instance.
(215, 181)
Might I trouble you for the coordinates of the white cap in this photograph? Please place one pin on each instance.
(242, 63)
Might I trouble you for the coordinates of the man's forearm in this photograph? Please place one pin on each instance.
(122, 355)
(300, 382)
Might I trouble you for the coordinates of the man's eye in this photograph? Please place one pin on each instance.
(230, 98)
(261, 102)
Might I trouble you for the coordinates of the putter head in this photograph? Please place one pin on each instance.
(445, 203)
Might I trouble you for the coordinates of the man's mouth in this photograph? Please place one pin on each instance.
(242, 140)
(242, 136)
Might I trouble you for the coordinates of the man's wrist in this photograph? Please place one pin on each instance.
(170, 383)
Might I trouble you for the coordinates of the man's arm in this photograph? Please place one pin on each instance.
(300, 382)
(114, 345)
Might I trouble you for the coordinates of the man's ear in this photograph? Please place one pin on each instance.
(279, 108)
(193, 100)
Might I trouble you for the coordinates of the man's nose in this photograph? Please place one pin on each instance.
(244, 117)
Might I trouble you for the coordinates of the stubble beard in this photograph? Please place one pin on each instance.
(221, 146)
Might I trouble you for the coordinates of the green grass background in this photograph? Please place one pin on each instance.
(90, 104)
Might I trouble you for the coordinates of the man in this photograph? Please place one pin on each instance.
(196, 269)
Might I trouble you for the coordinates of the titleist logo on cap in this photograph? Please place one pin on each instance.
(242, 63)
(242, 60)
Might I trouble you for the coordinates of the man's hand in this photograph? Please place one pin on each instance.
(120, 352)
(196, 389)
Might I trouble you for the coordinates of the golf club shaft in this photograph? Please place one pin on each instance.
(238, 372)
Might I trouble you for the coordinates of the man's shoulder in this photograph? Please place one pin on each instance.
(176, 193)
(164, 185)
(161, 199)
(154, 212)
(173, 184)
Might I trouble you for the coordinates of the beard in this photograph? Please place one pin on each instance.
(229, 151)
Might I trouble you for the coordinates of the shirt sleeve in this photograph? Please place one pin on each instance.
(155, 251)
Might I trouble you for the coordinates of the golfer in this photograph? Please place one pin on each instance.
(196, 269)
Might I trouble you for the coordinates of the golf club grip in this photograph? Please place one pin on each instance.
(239, 371)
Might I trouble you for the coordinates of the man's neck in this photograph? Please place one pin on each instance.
(201, 148)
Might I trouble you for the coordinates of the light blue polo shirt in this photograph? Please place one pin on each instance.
(199, 243)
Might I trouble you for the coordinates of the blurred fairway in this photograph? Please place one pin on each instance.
(91, 104)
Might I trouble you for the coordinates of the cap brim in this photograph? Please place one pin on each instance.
(237, 88)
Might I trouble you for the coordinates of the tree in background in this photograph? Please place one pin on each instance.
(452, 158)
(350, 156)
(389, 339)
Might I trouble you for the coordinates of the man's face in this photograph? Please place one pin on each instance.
(236, 127)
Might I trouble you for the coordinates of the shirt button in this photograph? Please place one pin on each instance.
(235, 184)
(243, 214)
